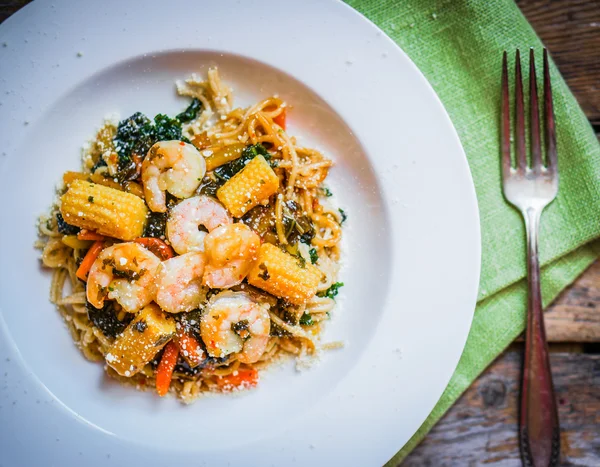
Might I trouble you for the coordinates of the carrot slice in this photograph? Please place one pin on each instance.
(190, 348)
(281, 118)
(164, 372)
(88, 260)
(85, 234)
(243, 378)
(156, 246)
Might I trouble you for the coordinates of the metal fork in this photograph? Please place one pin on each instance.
(530, 188)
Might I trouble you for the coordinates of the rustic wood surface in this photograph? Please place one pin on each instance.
(482, 427)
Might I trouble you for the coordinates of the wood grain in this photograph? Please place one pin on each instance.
(575, 315)
(571, 31)
(481, 429)
(8, 7)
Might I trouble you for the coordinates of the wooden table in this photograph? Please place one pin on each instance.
(482, 427)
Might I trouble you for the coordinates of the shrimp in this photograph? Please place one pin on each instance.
(230, 252)
(124, 272)
(172, 166)
(185, 219)
(233, 323)
(180, 283)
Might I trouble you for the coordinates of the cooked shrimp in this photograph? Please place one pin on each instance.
(233, 323)
(172, 166)
(180, 283)
(230, 253)
(183, 225)
(124, 272)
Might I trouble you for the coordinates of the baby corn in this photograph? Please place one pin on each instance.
(251, 185)
(284, 275)
(150, 330)
(105, 210)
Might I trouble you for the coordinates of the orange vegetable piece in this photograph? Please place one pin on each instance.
(164, 372)
(156, 246)
(190, 348)
(88, 260)
(281, 118)
(243, 378)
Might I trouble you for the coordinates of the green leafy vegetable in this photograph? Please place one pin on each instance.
(190, 322)
(289, 317)
(241, 328)
(344, 216)
(313, 255)
(226, 171)
(135, 135)
(166, 128)
(65, 228)
(332, 291)
(297, 226)
(306, 319)
(156, 225)
(209, 187)
(191, 112)
(99, 163)
(106, 319)
(278, 331)
(326, 192)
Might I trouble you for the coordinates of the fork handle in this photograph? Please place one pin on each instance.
(539, 429)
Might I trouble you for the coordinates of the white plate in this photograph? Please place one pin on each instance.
(411, 246)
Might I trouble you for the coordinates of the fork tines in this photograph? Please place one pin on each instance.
(537, 163)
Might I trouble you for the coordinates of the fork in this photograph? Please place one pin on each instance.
(530, 188)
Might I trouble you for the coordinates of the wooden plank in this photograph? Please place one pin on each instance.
(571, 31)
(481, 429)
(575, 315)
(8, 7)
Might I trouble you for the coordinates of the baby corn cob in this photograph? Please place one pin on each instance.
(108, 211)
(284, 275)
(251, 185)
(150, 330)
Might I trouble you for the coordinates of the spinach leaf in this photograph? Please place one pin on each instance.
(313, 255)
(326, 192)
(344, 216)
(166, 128)
(156, 225)
(226, 171)
(106, 319)
(332, 291)
(135, 135)
(191, 112)
(65, 228)
(297, 226)
(306, 319)
(278, 331)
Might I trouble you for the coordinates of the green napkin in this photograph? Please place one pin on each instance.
(458, 46)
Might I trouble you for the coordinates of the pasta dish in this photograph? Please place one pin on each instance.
(190, 252)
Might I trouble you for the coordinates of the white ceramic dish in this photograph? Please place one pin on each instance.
(411, 247)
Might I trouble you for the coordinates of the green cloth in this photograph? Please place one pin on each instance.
(458, 45)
